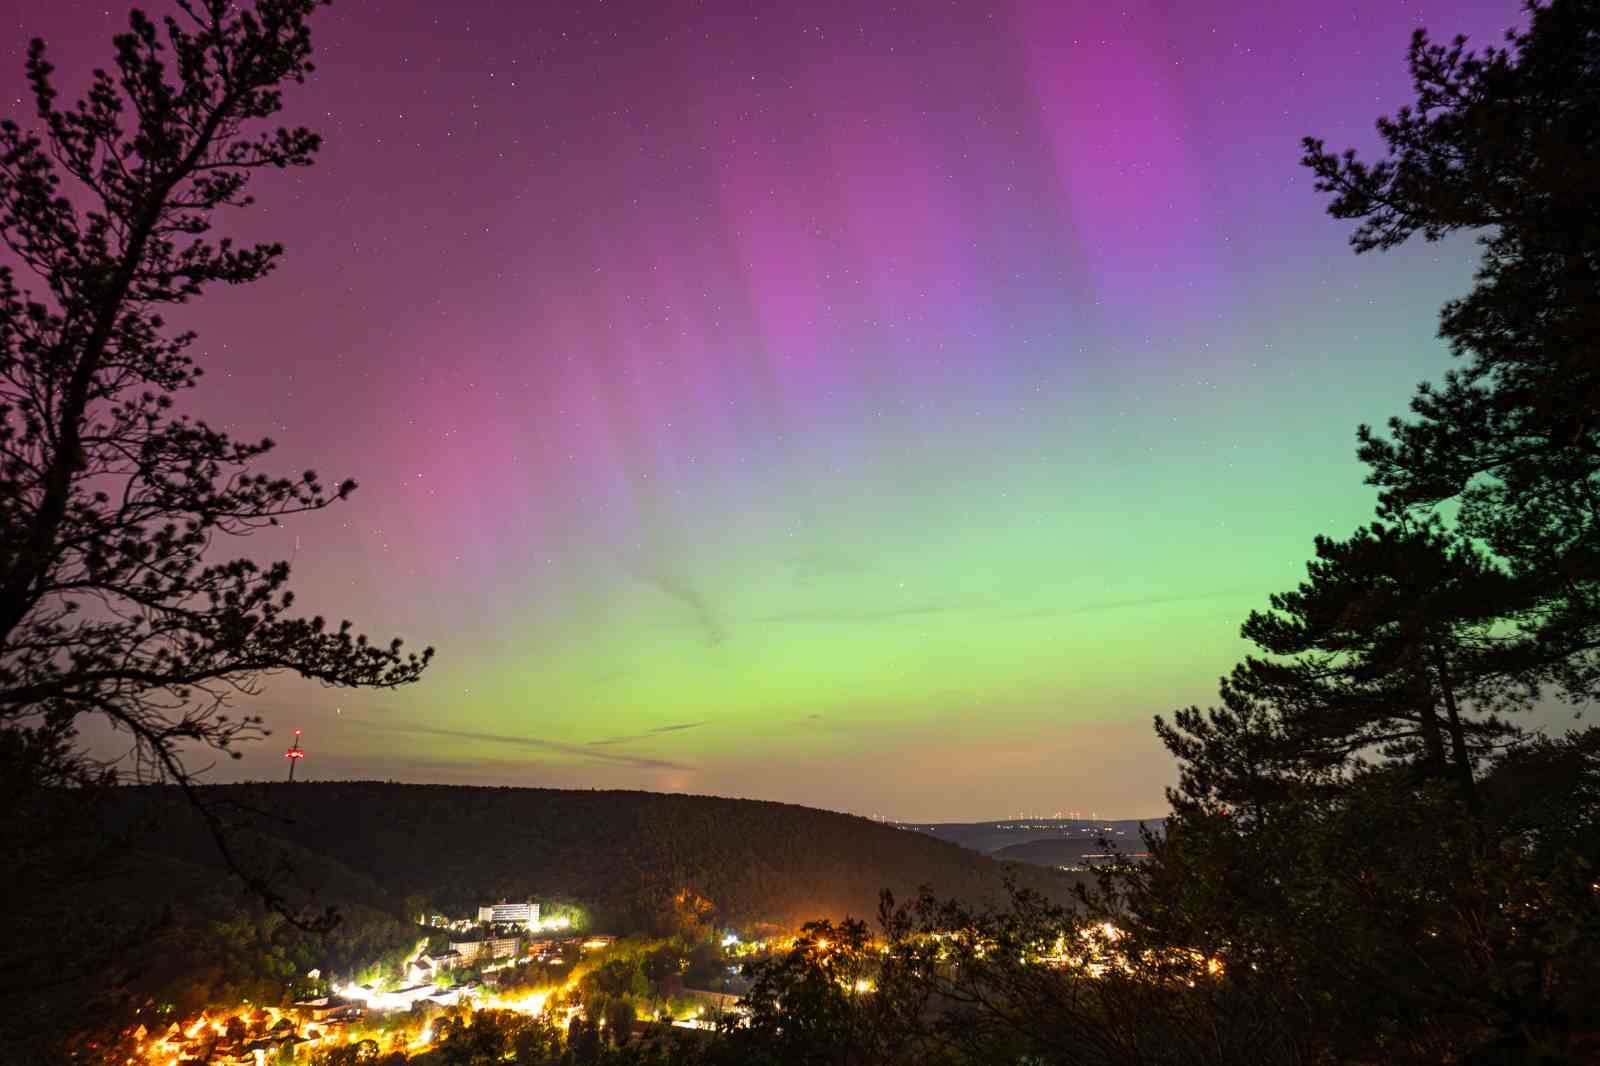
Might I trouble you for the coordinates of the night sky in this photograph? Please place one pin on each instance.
(884, 407)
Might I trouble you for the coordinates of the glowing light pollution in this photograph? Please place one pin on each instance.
(882, 407)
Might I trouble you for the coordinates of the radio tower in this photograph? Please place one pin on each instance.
(294, 754)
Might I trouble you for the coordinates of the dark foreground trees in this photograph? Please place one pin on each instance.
(1361, 835)
(117, 596)
(1401, 645)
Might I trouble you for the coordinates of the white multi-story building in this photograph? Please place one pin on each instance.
(522, 913)
(498, 948)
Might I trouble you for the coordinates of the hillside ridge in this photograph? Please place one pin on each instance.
(624, 853)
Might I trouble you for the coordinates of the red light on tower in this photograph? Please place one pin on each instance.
(294, 754)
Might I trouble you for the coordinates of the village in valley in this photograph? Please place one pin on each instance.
(506, 957)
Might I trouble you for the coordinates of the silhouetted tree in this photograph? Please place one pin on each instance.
(1304, 852)
(1547, 794)
(536, 1040)
(584, 1044)
(1339, 889)
(486, 1037)
(116, 599)
(1367, 924)
(1396, 646)
(1504, 143)
(821, 1002)
(1044, 984)
(620, 1014)
(1233, 756)
(113, 508)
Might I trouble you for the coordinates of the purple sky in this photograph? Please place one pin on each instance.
(886, 407)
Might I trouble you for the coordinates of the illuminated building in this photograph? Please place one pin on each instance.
(495, 948)
(522, 913)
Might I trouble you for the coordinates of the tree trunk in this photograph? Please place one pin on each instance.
(1458, 743)
(19, 589)
(1432, 739)
(1416, 656)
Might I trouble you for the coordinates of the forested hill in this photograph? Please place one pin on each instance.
(624, 855)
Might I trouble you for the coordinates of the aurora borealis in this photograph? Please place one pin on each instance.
(881, 407)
